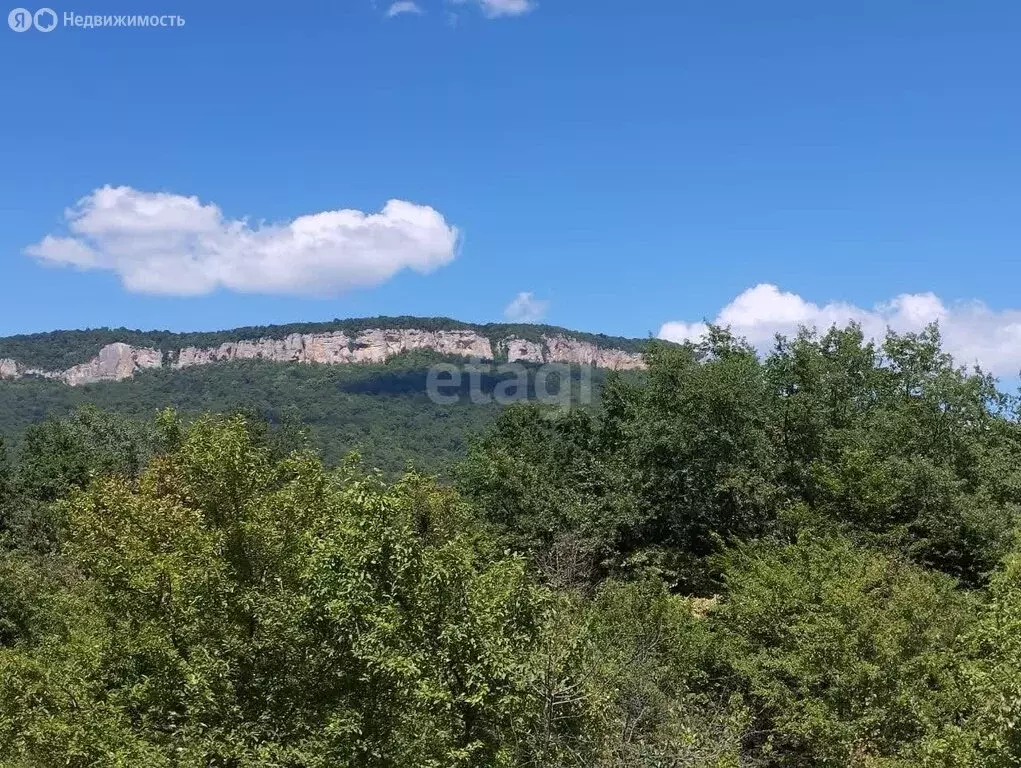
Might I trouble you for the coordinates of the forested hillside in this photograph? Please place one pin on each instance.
(382, 411)
(807, 559)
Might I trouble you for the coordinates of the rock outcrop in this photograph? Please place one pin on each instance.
(116, 362)
(522, 349)
(12, 369)
(374, 346)
(113, 363)
(563, 349)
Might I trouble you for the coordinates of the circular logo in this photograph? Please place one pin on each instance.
(45, 19)
(20, 20)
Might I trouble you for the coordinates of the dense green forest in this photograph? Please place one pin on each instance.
(381, 411)
(59, 350)
(803, 559)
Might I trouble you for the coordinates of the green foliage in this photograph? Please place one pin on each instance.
(731, 561)
(57, 456)
(619, 679)
(381, 411)
(891, 445)
(25, 581)
(5, 475)
(992, 736)
(694, 439)
(849, 657)
(653, 702)
(229, 609)
(539, 477)
(899, 445)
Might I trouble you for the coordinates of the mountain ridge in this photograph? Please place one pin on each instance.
(64, 355)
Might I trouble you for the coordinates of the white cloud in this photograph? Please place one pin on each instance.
(526, 309)
(402, 7)
(170, 244)
(496, 8)
(972, 332)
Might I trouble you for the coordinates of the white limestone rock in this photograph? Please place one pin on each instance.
(119, 361)
(115, 362)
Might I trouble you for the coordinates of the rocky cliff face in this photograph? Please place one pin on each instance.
(113, 363)
(9, 369)
(116, 362)
(522, 349)
(12, 369)
(373, 346)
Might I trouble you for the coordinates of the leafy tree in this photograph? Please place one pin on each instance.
(899, 445)
(620, 679)
(890, 444)
(848, 657)
(694, 438)
(58, 455)
(25, 584)
(653, 700)
(231, 609)
(675, 466)
(6, 490)
(541, 479)
(992, 735)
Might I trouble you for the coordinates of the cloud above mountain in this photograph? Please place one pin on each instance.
(497, 8)
(525, 308)
(403, 7)
(972, 332)
(492, 9)
(163, 243)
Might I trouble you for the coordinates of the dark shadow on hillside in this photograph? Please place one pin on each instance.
(416, 382)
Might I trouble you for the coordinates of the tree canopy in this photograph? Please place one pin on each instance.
(805, 558)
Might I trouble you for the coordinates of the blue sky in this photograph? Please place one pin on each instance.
(628, 164)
